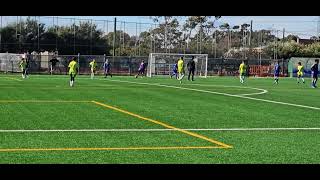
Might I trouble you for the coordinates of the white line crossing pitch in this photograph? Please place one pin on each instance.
(155, 130)
(225, 94)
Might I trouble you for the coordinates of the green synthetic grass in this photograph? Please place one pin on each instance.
(160, 101)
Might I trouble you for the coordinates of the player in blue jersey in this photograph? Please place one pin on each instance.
(141, 69)
(174, 71)
(107, 68)
(276, 73)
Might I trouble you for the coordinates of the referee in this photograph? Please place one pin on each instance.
(191, 68)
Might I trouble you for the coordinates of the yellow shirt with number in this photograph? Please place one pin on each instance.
(73, 67)
(93, 65)
(300, 70)
(180, 66)
(242, 68)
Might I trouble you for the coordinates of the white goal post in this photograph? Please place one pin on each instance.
(162, 63)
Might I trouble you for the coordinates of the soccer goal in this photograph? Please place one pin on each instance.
(162, 63)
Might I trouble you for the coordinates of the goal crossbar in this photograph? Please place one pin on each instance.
(160, 63)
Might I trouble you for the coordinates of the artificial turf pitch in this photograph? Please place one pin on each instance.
(157, 120)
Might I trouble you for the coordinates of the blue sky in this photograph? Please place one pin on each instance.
(303, 26)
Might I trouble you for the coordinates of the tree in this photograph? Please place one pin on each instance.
(167, 35)
(314, 38)
(8, 38)
(203, 25)
(122, 43)
(291, 38)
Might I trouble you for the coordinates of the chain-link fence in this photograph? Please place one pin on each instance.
(128, 65)
(255, 67)
(69, 35)
(41, 64)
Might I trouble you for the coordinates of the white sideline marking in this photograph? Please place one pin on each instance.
(263, 91)
(225, 94)
(12, 78)
(152, 130)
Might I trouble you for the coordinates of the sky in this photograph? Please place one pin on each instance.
(303, 26)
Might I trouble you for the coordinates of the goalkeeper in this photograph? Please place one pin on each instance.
(191, 68)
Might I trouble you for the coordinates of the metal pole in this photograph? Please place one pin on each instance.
(151, 38)
(107, 27)
(275, 46)
(91, 38)
(1, 33)
(79, 63)
(200, 40)
(20, 34)
(114, 37)
(17, 27)
(124, 28)
(39, 35)
(154, 42)
(165, 34)
(120, 38)
(215, 44)
(74, 36)
(206, 71)
(104, 27)
(57, 34)
(250, 34)
(139, 39)
(135, 44)
(283, 36)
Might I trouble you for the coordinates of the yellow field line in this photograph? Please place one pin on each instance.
(13, 78)
(41, 101)
(164, 125)
(110, 149)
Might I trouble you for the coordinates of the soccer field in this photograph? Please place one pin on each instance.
(157, 120)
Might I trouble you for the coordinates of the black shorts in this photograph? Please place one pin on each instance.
(315, 75)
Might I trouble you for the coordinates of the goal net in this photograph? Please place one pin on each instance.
(162, 63)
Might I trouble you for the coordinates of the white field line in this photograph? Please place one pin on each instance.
(12, 78)
(152, 130)
(225, 94)
(263, 91)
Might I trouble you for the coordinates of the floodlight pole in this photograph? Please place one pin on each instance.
(0, 33)
(79, 63)
(114, 37)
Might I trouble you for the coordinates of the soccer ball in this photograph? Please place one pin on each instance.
(195, 60)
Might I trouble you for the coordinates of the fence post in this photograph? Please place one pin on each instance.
(260, 68)
(129, 64)
(104, 60)
(79, 63)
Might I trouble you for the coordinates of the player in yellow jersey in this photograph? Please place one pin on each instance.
(23, 67)
(180, 69)
(72, 71)
(93, 66)
(300, 73)
(242, 71)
